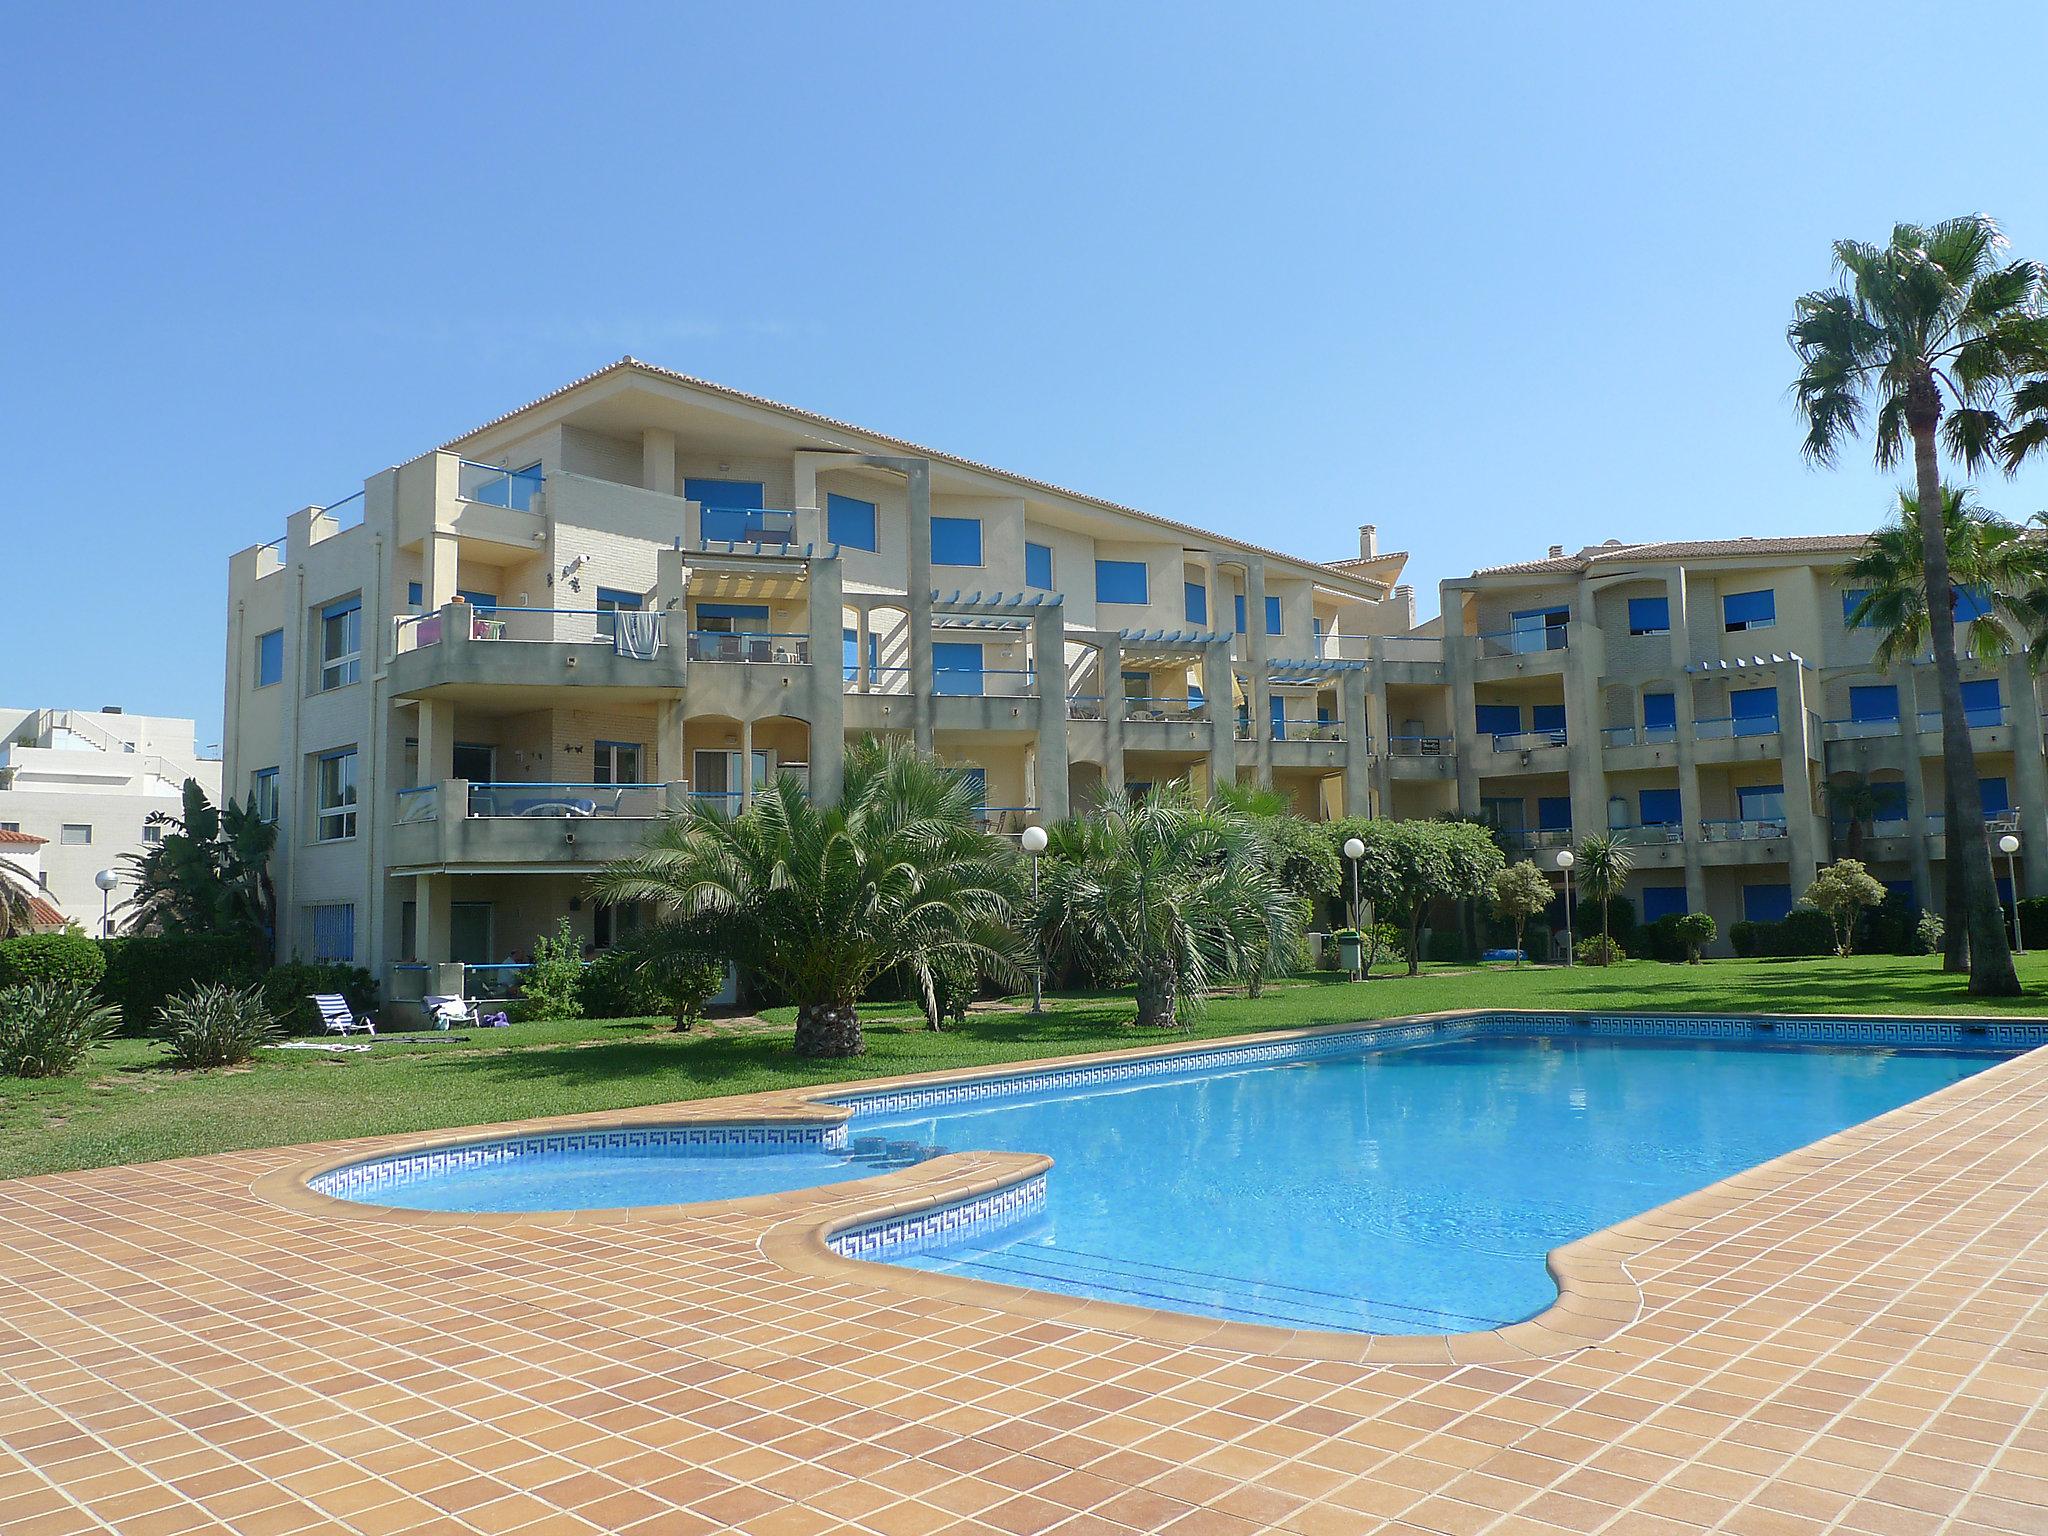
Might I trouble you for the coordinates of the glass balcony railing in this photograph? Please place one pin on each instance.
(1159, 708)
(1317, 729)
(1850, 730)
(764, 648)
(493, 485)
(1084, 706)
(1535, 837)
(1523, 741)
(1983, 717)
(1420, 746)
(749, 525)
(1523, 642)
(418, 804)
(1650, 834)
(635, 802)
(1727, 727)
(629, 631)
(1744, 830)
(1006, 820)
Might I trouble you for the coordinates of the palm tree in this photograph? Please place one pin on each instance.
(209, 873)
(1175, 893)
(18, 893)
(1855, 801)
(2008, 572)
(1936, 333)
(1604, 865)
(820, 901)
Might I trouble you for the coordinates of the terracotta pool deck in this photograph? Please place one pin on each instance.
(1853, 1338)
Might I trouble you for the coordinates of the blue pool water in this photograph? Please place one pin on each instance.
(1405, 1188)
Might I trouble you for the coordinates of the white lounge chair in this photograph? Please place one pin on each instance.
(447, 1012)
(339, 1018)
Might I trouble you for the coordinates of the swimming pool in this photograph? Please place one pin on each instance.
(1394, 1180)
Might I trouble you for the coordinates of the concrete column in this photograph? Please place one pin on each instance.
(1218, 688)
(436, 730)
(437, 573)
(430, 894)
(1585, 748)
(1795, 769)
(1676, 595)
(746, 763)
(1111, 663)
(1357, 745)
(1906, 757)
(1049, 668)
(672, 758)
(827, 703)
(1460, 652)
(1381, 710)
(2030, 777)
(922, 711)
(658, 460)
(1258, 682)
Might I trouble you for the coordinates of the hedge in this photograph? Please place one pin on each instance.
(70, 958)
(1804, 932)
(144, 971)
(288, 992)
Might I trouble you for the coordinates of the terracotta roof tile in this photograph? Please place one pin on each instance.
(23, 838)
(1683, 549)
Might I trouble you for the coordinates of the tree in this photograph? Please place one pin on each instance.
(1854, 800)
(210, 874)
(1174, 893)
(1409, 864)
(1696, 931)
(1604, 865)
(820, 900)
(1303, 857)
(1938, 343)
(1517, 893)
(1842, 890)
(678, 957)
(18, 893)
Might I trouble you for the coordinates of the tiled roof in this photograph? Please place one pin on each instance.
(1683, 549)
(1201, 536)
(24, 838)
(41, 914)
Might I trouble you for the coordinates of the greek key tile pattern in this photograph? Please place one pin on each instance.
(926, 1231)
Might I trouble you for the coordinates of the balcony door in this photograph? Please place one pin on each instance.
(469, 932)
(615, 762)
(474, 761)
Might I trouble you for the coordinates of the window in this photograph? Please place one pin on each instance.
(729, 510)
(1982, 702)
(956, 541)
(1660, 715)
(1754, 710)
(1766, 903)
(269, 658)
(1659, 807)
(613, 925)
(1760, 802)
(415, 595)
(1273, 616)
(1889, 797)
(1997, 798)
(1971, 603)
(1649, 615)
(332, 928)
(334, 794)
(1195, 602)
(1546, 717)
(1851, 598)
(1663, 901)
(153, 834)
(850, 654)
(1538, 629)
(1554, 813)
(1749, 610)
(1239, 600)
(615, 762)
(76, 834)
(1038, 566)
(1873, 703)
(341, 643)
(611, 601)
(263, 794)
(851, 521)
(956, 668)
(1120, 581)
(1497, 719)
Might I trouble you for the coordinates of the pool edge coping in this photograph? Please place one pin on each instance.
(1597, 1295)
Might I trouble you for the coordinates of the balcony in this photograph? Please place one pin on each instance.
(1984, 718)
(1085, 706)
(1729, 727)
(1527, 741)
(1629, 735)
(521, 825)
(492, 485)
(1006, 820)
(1170, 711)
(747, 647)
(1858, 730)
(1316, 729)
(1420, 746)
(1523, 642)
(1528, 839)
(964, 683)
(747, 525)
(1744, 830)
(532, 646)
(1996, 823)
(1656, 834)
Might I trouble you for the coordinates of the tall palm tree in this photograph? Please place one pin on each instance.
(208, 873)
(821, 901)
(1854, 800)
(1175, 893)
(2008, 573)
(1604, 865)
(18, 893)
(1930, 335)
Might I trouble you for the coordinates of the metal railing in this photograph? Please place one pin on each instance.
(988, 683)
(510, 801)
(1307, 730)
(1523, 741)
(1168, 709)
(747, 525)
(1523, 642)
(1085, 706)
(1535, 837)
(1420, 746)
(1849, 730)
(1741, 830)
(1982, 718)
(1006, 820)
(1650, 834)
(749, 646)
(347, 512)
(493, 485)
(420, 803)
(561, 626)
(1727, 727)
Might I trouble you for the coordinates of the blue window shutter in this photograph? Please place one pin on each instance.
(1997, 799)
(1851, 596)
(1197, 602)
(1277, 708)
(1663, 901)
(1891, 800)
(1971, 603)
(1546, 717)
(1038, 566)
(1982, 696)
(1658, 807)
(1649, 615)
(1272, 615)
(1766, 903)
(1760, 802)
(956, 668)
(1755, 710)
(1120, 581)
(1660, 709)
(1240, 613)
(269, 658)
(1497, 719)
(1749, 610)
(851, 521)
(1554, 813)
(956, 541)
(1874, 702)
(726, 505)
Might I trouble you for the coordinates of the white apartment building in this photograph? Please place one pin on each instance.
(465, 688)
(87, 782)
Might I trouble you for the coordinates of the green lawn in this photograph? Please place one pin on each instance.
(127, 1106)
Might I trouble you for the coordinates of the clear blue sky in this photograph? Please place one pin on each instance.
(1492, 277)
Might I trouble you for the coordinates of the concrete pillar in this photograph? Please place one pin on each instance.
(919, 477)
(1258, 683)
(430, 894)
(1585, 747)
(671, 755)
(826, 707)
(1906, 757)
(658, 460)
(1218, 686)
(746, 762)
(1112, 666)
(1357, 745)
(1676, 595)
(1460, 653)
(863, 629)
(437, 572)
(436, 729)
(2030, 777)
(1802, 825)
(1049, 670)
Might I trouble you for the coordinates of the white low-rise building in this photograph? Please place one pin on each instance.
(87, 782)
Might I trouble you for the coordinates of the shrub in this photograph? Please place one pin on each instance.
(1660, 939)
(1843, 891)
(1930, 933)
(2033, 921)
(216, 1026)
(612, 987)
(1446, 944)
(46, 1026)
(1599, 951)
(663, 970)
(955, 979)
(1890, 927)
(1696, 930)
(1808, 931)
(145, 969)
(549, 988)
(1747, 938)
(65, 957)
(288, 992)
(1621, 917)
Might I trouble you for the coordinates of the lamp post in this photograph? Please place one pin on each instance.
(1565, 860)
(1034, 841)
(1354, 850)
(106, 880)
(2010, 845)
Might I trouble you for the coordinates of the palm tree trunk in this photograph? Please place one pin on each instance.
(1991, 969)
(828, 1029)
(1415, 940)
(1955, 933)
(1155, 999)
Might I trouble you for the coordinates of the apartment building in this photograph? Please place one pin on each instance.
(468, 686)
(1702, 699)
(87, 784)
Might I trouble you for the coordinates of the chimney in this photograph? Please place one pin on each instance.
(1404, 599)
(1557, 551)
(1368, 541)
